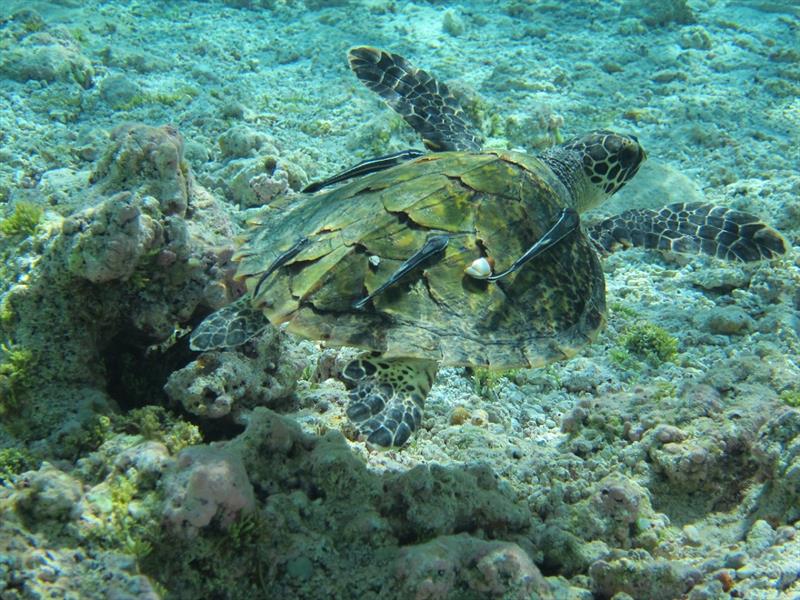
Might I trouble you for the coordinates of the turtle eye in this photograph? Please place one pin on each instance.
(628, 156)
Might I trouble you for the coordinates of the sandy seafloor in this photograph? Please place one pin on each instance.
(608, 475)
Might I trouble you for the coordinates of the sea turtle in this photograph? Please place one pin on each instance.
(460, 256)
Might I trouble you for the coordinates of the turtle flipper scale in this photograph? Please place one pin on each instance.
(425, 103)
(230, 326)
(387, 396)
(691, 228)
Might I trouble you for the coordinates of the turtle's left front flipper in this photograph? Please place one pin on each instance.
(229, 327)
(691, 228)
(424, 103)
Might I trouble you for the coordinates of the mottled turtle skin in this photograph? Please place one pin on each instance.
(335, 266)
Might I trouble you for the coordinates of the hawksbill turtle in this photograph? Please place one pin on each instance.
(459, 256)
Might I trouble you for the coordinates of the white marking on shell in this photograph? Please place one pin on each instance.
(374, 260)
(480, 268)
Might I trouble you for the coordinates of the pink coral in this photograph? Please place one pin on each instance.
(208, 484)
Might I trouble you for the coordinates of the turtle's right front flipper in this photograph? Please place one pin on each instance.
(425, 103)
(691, 228)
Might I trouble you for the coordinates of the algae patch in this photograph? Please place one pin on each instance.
(16, 367)
(23, 221)
(645, 341)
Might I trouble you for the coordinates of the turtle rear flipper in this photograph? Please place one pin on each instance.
(387, 396)
(690, 228)
(425, 103)
(230, 326)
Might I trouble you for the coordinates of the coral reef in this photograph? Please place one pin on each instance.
(470, 568)
(641, 577)
(48, 493)
(778, 454)
(32, 567)
(146, 161)
(316, 501)
(658, 13)
(660, 463)
(219, 384)
(44, 54)
(130, 264)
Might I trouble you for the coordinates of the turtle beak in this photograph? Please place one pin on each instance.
(642, 153)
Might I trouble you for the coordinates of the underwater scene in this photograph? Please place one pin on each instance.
(374, 299)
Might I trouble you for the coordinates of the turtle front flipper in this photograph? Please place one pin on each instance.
(387, 396)
(228, 327)
(691, 228)
(425, 103)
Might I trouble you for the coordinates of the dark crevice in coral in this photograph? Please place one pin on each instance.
(201, 311)
(549, 568)
(136, 377)
(215, 430)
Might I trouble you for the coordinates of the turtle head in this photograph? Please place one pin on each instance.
(595, 166)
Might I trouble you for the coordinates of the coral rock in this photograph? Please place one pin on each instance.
(642, 577)
(49, 494)
(111, 239)
(207, 484)
(222, 383)
(445, 566)
(148, 160)
(47, 56)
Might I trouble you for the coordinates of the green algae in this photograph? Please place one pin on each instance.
(157, 424)
(618, 308)
(14, 461)
(126, 510)
(23, 221)
(16, 372)
(203, 562)
(487, 380)
(170, 98)
(645, 341)
(88, 437)
(791, 397)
